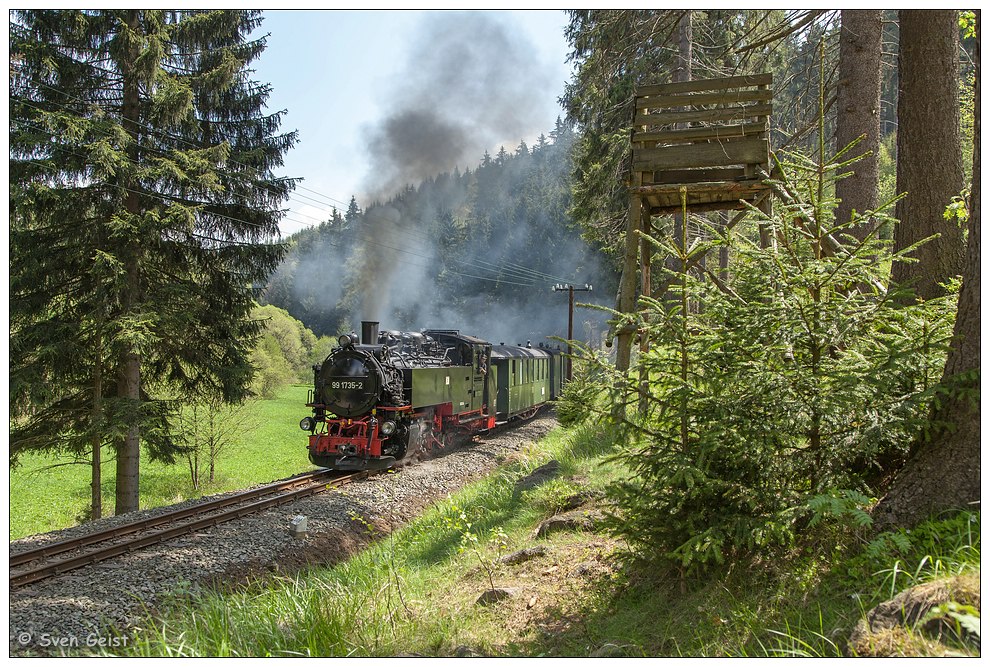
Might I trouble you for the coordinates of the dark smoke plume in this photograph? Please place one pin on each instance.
(469, 85)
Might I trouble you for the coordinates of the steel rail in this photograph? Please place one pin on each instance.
(67, 564)
(49, 550)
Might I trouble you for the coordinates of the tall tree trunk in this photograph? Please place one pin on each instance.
(96, 465)
(96, 481)
(682, 72)
(129, 387)
(858, 102)
(929, 160)
(944, 471)
(682, 66)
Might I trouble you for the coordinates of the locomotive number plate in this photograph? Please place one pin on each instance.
(347, 384)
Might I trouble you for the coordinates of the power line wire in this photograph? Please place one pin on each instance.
(525, 274)
(514, 270)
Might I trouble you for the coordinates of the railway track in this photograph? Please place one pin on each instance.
(33, 565)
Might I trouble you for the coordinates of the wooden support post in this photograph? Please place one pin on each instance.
(627, 284)
(646, 257)
(570, 329)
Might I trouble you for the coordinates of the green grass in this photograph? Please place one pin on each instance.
(407, 594)
(48, 493)
(413, 592)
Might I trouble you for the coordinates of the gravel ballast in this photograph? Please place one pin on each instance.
(74, 611)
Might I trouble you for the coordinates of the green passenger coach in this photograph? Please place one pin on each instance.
(525, 378)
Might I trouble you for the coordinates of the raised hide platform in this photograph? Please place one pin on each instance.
(708, 138)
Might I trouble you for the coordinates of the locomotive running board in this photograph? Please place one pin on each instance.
(357, 464)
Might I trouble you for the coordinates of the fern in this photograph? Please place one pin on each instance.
(841, 504)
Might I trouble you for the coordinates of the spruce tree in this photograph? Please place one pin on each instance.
(143, 215)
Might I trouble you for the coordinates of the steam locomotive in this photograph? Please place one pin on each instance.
(396, 394)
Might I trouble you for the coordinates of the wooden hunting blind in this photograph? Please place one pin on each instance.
(698, 145)
(710, 136)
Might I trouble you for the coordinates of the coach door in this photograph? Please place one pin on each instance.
(481, 389)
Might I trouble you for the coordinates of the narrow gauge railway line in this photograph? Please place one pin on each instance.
(280, 493)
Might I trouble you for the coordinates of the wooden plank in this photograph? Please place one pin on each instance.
(722, 154)
(696, 176)
(699, 85)
(703, 115)
(715, 132)
(725, 97)
(659, 198)
(672, 209)
(735, 186)
(669, 195)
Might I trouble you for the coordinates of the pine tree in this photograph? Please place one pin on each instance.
(943, 474)
(143, 214)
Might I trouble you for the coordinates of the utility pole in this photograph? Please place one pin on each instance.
(570, 316)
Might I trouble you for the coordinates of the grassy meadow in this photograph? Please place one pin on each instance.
(49, 493)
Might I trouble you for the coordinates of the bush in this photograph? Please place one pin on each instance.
(285, 352)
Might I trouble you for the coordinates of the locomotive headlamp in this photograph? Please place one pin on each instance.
(346, 340)
(388, 428)
(307, 424)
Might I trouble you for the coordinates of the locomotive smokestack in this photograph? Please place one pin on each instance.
(369, 333)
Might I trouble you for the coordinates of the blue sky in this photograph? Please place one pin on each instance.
(334, 70)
